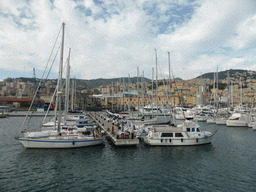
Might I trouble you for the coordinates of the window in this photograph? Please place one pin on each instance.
(188, 129)
(167, 134)
(193, 129)
(178, 135)
(197, 130)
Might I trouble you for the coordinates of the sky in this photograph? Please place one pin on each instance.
(112, 38)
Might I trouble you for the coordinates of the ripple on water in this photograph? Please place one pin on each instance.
(228, 164)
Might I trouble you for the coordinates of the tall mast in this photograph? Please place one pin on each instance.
(112, 96)
(142, 88)
(72, 95)
(67, 86)
(169, 80)
(59, 92)
(152, 88)
(138, 88)
(228, 83)
(217, 88)
(123, 95)
(129, 104)
(241, 89)
(214, 89)
(120, 82)
(156, 85)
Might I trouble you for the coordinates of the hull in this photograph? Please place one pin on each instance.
(201, 119)
(58, 143)
(178, 142)
(235, 123)
(179, 117)
(210, 121)
(221, 122)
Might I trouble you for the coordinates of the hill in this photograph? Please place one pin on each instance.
(236, 73)
(82, 84)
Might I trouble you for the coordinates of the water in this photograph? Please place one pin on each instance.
(228, 164)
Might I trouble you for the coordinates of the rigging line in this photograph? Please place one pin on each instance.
(52, 63)
(39, 83)
(64, 67)
(50, 105)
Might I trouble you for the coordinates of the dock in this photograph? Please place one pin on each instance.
(24, 113)
(111, 131)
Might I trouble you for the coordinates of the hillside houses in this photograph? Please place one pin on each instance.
(198, 91)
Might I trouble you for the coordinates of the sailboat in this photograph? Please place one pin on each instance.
(59, 137)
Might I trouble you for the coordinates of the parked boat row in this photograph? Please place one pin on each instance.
(187, 133)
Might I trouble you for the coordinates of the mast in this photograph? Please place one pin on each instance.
(241, 91)
(232, 101)
(156, 86)
(67, 86)
(72, 95)
(214, 90)
(152, 89)
(217, 89)
(169, 80)
(228, 83)
(142, 88)
(138, 88)
(59, 92)
(129, 104)
(120, 82)
(112, 97)
(123, 95)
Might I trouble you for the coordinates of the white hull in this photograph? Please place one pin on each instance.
(236, 123)
(179, 116)
(221, 121)
(184, 134)
(201, 119)
(178, 142)
(59, 143)
(210, 121)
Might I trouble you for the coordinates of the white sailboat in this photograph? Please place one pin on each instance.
(57, 137)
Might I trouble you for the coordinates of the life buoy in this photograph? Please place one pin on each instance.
(123, 135)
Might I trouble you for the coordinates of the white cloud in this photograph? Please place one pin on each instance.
(111, 38)
(246, 33)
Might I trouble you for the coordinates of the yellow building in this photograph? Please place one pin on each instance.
(140, 101)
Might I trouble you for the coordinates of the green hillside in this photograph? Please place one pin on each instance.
(237, 73)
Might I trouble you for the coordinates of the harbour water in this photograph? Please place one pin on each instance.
(228, 164)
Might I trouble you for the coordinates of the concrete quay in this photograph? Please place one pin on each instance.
(24, 113)
(112, 130)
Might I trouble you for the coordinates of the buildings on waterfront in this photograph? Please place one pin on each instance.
(133, 95)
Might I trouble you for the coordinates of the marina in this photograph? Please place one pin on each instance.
(227, 164)
(120, 96)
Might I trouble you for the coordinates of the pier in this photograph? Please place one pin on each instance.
(24, 113)
(112, 132)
